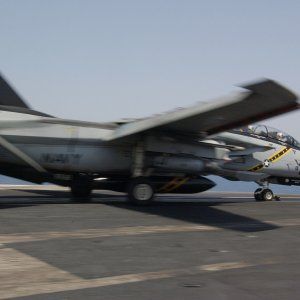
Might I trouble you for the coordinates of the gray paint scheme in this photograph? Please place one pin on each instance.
(172, 143)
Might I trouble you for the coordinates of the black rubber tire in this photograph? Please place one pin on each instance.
(81, 193)
(267, 195)
(258, 195)
(81, 188)
(140, 191)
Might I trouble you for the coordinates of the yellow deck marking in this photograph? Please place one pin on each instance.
(21, 274)
(131, 231)
(32, 277)
(98, 233)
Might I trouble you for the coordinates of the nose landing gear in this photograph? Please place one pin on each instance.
(264, 194)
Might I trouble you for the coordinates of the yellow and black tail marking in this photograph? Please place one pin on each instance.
(173, 184)
(275, 157)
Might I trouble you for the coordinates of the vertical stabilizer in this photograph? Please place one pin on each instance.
(8, 96)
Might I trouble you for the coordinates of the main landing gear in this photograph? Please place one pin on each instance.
(265, 194)
(81, 189)
(141, 191)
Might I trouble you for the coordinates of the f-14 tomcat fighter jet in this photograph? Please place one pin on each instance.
(168, 153)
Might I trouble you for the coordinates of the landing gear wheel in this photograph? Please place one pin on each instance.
(263, 195)
(257, 194)
(81, 188)
(267, 195)
(81, 194)
(140, 191)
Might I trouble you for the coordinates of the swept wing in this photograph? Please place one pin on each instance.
(263, 100)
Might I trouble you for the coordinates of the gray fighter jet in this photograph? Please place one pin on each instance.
(167, 153)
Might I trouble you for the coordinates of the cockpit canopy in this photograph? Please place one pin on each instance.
(268, 133)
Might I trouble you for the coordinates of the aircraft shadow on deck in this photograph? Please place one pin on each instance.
(202, 212)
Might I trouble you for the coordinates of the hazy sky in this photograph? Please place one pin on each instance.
(104, 60)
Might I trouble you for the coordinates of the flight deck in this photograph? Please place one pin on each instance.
(212, 245)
